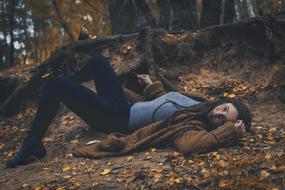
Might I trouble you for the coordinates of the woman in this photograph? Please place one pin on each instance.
(110, 110)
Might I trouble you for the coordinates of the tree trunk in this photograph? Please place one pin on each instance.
(164, 16)
(123, 16)
(128, 16)
(144, 16)
(3, 58)
(26, 36)
(11, 21)
(184, 15)
(229, 11)
(62, 22)
(211, 13)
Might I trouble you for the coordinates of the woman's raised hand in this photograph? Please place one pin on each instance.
(144, 79)
(239, 127)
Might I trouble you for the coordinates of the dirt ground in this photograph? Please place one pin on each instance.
(227, 66)
(257, 162)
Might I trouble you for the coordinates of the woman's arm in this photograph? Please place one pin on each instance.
(204, 141)
(154, 90)
(131, 95)
(151, 91)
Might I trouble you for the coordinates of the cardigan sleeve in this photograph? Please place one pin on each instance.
(154, 90)
(131, 95)
(204, 141)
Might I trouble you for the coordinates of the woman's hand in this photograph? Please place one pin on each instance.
(144, 79)
(239, 127)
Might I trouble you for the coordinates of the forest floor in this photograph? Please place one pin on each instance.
(257, 162)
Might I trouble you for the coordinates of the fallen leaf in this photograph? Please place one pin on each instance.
(25, 185)
(2, 145)
(222, 183)
(66, 168)
(110, 163)
(10, 154)
(176, 153)
(2, 132)
(37, 186)
(229, 95)
(264, 174)
(129, 158)
(74, 141)
(156, 170)
(106, 172)
(44, 76)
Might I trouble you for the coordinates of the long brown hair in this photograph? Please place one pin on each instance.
(201, 110)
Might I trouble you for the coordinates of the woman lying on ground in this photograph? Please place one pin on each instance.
(189, 123)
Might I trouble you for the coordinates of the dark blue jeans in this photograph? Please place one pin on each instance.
(107, 110)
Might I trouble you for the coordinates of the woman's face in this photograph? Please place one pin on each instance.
(222, 114)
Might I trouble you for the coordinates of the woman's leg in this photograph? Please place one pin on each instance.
(110, 111)
(91, 107)
(106, 81)
(109, 100)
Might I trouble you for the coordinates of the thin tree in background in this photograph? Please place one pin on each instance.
(3, 45)
(63, 23)
(11, 22)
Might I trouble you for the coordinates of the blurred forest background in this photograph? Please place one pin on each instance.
(31, 29)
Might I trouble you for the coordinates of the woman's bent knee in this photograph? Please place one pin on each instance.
(54, 82)
(97, 58)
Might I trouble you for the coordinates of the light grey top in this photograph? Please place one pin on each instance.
(141, 112)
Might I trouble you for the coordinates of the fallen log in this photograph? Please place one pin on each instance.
(243, 50)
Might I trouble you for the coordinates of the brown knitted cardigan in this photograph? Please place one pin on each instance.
(186, 137)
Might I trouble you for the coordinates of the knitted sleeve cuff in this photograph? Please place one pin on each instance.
(225, 133)
(154, 90)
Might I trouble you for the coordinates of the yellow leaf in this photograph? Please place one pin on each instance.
(37, 187)
(267, 156)
(264, 174)
(177, 180)
(25, 185)
(44, 76)
(176, 153)
(95, 184)
(169, 38)
(2, 145)
(66, 168)
(19, 116)
(106, 172)
(222, 163)
(59, 188)
(110, 164)
(230, 95)
(148, 158)
(74, 141)
(69, 155)
(10, 154)
(129, 158)
(2, 132)
(156, 170)
(222, 183)
(272, 129)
